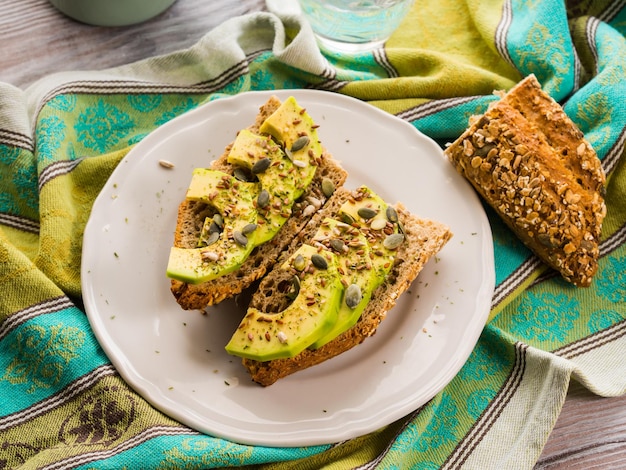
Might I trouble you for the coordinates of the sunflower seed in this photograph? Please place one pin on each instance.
(209, 255)
(378, 224)
(166, 164)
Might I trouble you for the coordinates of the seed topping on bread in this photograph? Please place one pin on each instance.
(531, 163)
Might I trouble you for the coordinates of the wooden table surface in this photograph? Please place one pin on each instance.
(36, 40)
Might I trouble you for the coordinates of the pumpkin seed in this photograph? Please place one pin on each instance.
(288, 154)
(393, 241)
(299, 263)
(328, 187)
(295, 288)
(218, 220)
(240, 238)
(248, 229)
(337, 245)
(241, 175)
(319, 261)
(261, 165)
(366, 213)
(300, 143)
(392, 215)
(347, 218)
(214, 228)
(263, 199)
(353, 295)
(213, 237)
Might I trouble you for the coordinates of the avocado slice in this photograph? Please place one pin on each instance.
(366, 261)
(283, 170)
(296, 132)
(278, 179)
(267, 336)
(233, 199)
(359, 277)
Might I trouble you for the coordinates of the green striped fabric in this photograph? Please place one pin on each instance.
(64, 405)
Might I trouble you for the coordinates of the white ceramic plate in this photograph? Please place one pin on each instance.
(176, 359)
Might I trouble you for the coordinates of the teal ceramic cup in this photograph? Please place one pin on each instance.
(112, 12)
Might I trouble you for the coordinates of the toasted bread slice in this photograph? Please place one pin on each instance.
(423, 239)
(531, 163)
(191, 216)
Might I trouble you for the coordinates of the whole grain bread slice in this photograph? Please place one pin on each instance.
(531, 163)
(423, 239)
(191, 216)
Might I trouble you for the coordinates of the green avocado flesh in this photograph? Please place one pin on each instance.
(233, 201)
(280, 163)
(313, 312)
(357, 246)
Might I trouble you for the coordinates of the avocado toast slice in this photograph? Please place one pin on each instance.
(200, 237)
(398, 249)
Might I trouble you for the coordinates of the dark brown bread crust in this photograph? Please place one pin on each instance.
(424, 238)
(191, 217)
(530, 162)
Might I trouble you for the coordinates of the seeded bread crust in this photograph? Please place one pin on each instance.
(424, 238)
(531, 163)
(191, 217)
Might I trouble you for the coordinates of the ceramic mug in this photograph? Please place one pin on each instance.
(112, 12)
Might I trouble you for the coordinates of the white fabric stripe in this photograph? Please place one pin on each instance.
(16, 139)
(613, 9)
(613, 242)
(612, 157)
(57, 169)
(590, 31)
(593, 341)
(49, 306)
(490, 415)
(380, 56)
(140, 438)
(68, 393)
(114, 86)
(433, 107)
(374, 463)
(502, 30)
(330, 85)
(20, 223)
(514, 280)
